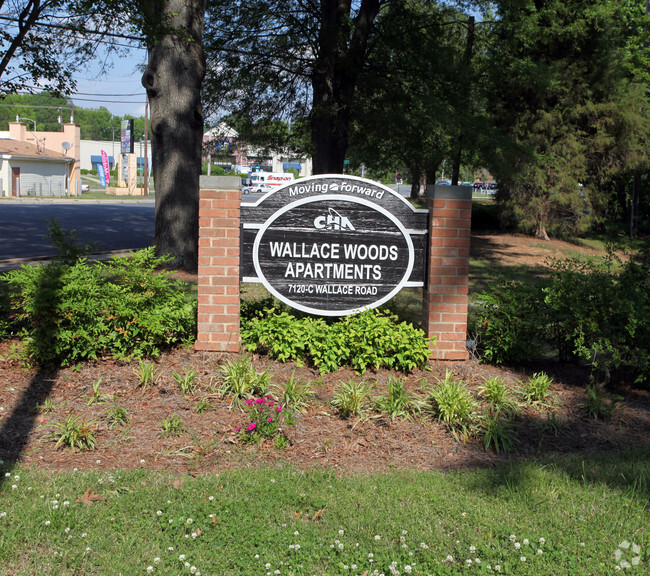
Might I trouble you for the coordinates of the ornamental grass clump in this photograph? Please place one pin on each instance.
(266, 415)
(452, 404)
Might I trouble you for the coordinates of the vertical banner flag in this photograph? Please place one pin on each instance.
(102, 176)
(107, 169)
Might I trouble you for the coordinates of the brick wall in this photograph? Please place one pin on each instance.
(218, 290)
(445, 302)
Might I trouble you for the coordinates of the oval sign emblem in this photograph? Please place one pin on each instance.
(333, 255)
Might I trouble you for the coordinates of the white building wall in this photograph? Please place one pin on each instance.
(41, 178)
(5, 183)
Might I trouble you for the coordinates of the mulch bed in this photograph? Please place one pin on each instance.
(319, 439)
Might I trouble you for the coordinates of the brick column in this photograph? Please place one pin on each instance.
(445, 303)
(218, 290)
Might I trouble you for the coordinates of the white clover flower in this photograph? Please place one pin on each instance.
(542, 541)
(468, 561)
(472, 549)
(276, 572)
(170, 549)
(636, 560)
(171, 521)
(47, 522)
(297, 546)
(84, 534)
(625, 545)
(517, 545)
(625, 564)
(477, 560)
(16, 477)
(13, 486)
(7, 474)
(210, 498)
(3, 514)
(189, 521)
(296, 533)
(150, 569)
(408, 569)
(402, 539)
(512, 537)
(156, 560)
(340, 545)
(346, 567)
(193, 570)
(635, 548)
(159, 513)
(526, 542)
(377, 537)
(142, 461)
(423, 546)
(618, 554)
(66, 503)
(181, 557)
(523, 558)
(267, 566)
(187, 564)
(67, 530)
(371, 555)
(88, 549)
(498, 568)
(341, 532)
(353, 567)
(449, 558)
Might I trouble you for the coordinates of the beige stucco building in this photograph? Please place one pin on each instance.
(40, 163)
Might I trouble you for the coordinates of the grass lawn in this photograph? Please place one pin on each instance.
(567, 515)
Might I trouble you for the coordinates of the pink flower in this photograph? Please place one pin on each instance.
(260, 401)
(271, 404)
(238, 429)
(270, 420)
(251, 426)
(279, 408)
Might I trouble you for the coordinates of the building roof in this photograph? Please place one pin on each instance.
(18, 149)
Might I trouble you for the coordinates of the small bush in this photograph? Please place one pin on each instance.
(371, 339)
(536, 389)
(350, 398)
(74, 432)
(124, 307)
(598, 405)
(452, 403)
(241, 381)
(397, 402)
(498, 395)
(496, 432)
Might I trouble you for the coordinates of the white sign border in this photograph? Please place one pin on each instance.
(335, 197)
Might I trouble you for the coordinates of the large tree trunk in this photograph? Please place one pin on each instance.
(173, 80)
(342, 55)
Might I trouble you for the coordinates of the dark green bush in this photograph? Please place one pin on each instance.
(508, 323)
(372, 339)
(125, 307)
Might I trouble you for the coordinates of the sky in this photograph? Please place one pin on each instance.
(119, 89)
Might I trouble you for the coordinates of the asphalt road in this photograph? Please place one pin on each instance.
(114, 225)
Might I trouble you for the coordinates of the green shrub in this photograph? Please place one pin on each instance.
(509, 324)
(452, 403)
(397, 402)
(124, 307)
(351, 397)
(371, 339)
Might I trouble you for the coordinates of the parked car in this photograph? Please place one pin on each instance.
(85, 188)
(258, 189)
(443, 182)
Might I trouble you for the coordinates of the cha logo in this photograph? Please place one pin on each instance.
(333, 221)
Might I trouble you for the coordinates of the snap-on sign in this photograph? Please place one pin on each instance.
(333, 245)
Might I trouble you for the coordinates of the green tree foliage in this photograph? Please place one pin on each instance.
(46, 109)
(567, 109)
(415, 102)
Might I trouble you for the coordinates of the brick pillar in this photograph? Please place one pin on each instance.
(445, 303)
(218, 289)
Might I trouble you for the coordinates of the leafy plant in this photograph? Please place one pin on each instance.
(202, 406)
(172, 426)
(397, 402)
(508, 323)
(117, 415)
(187, 381)
(265, 415)
(241, 380)
(553, 424)
(452, 403)
(96, 396)
(536, 389)
(498, 395)
(496, 431)
(125, 307)
(598, 405)
(295, 395)
(74, 432)
(147, 373)
(371, 339)
(45, 407)
(350, 397)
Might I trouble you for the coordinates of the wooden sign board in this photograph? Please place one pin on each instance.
(333, 245)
